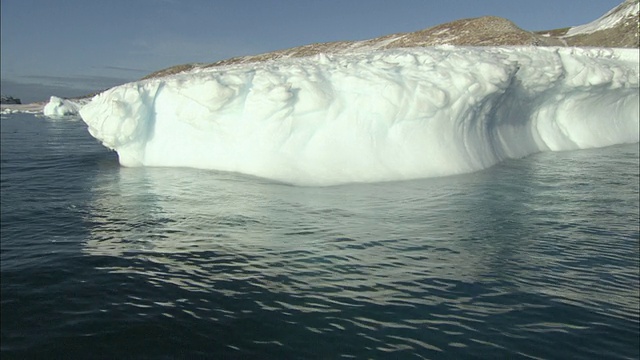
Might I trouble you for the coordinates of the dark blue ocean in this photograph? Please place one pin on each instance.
(536, 258)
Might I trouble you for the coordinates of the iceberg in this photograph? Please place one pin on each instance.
(58, 107)
(374, 116)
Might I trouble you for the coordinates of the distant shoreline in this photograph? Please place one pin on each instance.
(34, 106)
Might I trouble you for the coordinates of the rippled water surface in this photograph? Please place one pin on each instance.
(533, 258)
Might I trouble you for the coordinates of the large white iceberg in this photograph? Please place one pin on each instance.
(378, 116)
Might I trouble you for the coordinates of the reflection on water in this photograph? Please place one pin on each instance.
(536, 257)
(525, 237)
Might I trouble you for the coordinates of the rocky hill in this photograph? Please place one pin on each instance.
(617, 28)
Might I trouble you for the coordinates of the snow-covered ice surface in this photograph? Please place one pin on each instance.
(374, 116)
(58, 107)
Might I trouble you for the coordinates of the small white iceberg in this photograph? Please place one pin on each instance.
(58, 107)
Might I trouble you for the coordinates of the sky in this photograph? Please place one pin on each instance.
(74, 47)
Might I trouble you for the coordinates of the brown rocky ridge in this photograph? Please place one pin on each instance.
(621, 30)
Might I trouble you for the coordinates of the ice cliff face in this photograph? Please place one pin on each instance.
(374, 116)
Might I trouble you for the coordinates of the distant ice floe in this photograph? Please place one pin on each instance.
(374, 116)
(55, 108)
(33, 108)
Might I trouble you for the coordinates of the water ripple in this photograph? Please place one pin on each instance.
(534, 258)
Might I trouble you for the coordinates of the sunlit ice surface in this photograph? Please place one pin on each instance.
(374, 116)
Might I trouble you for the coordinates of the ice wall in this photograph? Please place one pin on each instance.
(384, 115)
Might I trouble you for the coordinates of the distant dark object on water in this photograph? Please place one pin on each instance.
(9, 100)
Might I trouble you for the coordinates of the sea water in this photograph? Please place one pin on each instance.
(532, 258)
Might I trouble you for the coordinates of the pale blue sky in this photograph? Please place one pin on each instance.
(72, 47)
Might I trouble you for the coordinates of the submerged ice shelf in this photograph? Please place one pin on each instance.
(374, 116)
